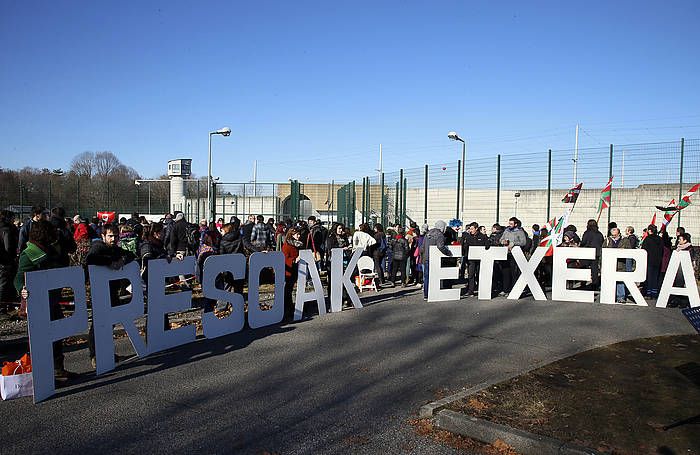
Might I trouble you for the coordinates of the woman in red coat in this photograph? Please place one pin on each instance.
(290, 249)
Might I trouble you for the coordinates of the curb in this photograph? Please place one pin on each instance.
(522, 441)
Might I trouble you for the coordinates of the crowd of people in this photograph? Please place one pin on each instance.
(401, 254)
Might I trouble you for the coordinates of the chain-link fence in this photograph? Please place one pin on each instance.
(529, 186)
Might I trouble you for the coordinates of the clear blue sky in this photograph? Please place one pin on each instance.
(312, 88)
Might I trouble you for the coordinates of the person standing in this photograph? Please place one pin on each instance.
(38, 213)
(107, 252)
(615, 240)
(473, 237)
(400, 248)
(513, 236)
(593, 238)
(378, 250)
(290, 249)
(655, 254)
(9, 238)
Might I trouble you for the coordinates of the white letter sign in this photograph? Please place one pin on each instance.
(438, 273)
(679, 259)
(213, 266)
(104, 315)
(160, 304)
(343, 279)
(610, 276)
(527, 273)
(256, 316)
(561, 273)
(307, 268)
(42, 330)
(487, 258)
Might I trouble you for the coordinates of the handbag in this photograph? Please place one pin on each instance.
(16, 380)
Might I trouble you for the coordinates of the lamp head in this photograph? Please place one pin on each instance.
(137, 183)
(454, 136)
(225, 131)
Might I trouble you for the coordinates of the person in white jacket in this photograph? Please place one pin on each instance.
(362, 239)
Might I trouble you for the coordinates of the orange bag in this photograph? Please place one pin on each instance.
(23, 365)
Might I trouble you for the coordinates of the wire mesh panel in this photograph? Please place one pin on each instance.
(393, 195)
(645, 175)
(590, 167)
(442, 192)
(523, 192)
(690, 216)
(243, 199)
(414, 195)
(480, 179)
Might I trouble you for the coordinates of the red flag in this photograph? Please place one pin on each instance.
(605, 196)
(668, 215)
(573, 194)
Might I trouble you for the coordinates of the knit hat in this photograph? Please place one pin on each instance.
(441, 225)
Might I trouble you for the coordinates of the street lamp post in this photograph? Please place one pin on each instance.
(455, 137)
(226, 131)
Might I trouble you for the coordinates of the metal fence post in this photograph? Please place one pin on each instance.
(399, 214)
(353, 205)
(364, 199)
(403, 202)
(498, 187)
(383, 203)
(610, 174)
(549, 183)
(369, 200)
(425, 197)
(396, 203)
(680, 179)
(459, 181)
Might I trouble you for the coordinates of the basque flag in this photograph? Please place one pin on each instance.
(572, 195)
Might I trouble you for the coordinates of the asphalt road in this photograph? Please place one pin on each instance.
(340, 383)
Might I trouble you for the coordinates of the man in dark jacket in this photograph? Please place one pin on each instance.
(472, 237)
(38, 213)
(106, 252)
(177, 242)
(593, 238)
(65, 245)
(653, 244)
(9, 236)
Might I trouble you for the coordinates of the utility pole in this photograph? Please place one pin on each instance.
(576, 156)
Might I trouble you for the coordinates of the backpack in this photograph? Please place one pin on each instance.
(128, 244)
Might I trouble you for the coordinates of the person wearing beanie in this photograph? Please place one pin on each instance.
(436, 237)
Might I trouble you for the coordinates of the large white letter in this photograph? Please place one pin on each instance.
(487, 258)
(307, 267)
(160, 304)
(439, 273)
(527, 273)
(679, 259)
(104, 315)
(561, 274)
(343, 279)
(256, 316)
(42, 330)
(213, 266)
(610, 276)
